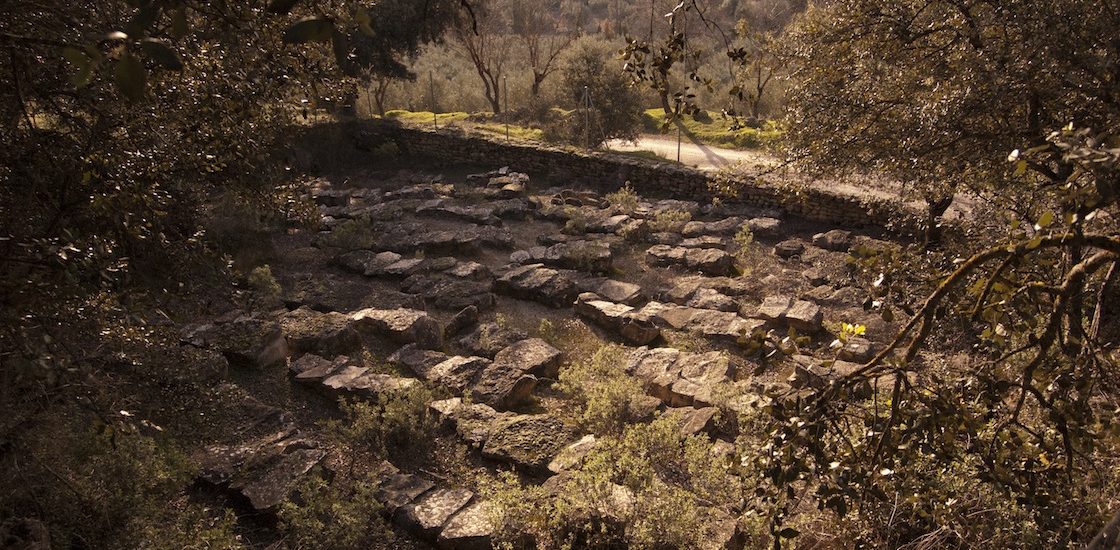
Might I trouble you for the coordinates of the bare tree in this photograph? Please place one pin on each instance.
(487, 45)
(535, 23)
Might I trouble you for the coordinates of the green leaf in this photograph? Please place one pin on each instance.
(1034, 243)
(311, 29)
(1046, 220)
(83, 66)
(282, 7)
(1020, 168)
(131, 77)
(162, 54)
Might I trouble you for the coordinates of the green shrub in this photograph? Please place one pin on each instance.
(624, 200)
(640, 489)
(352, 235)
(400, 419)
(264, 284)
(605, 394)
(669, 221)
(330, 515)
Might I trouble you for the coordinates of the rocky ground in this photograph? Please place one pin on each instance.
(485, 289)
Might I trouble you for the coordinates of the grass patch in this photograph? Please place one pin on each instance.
(482, 123)
(644, 154)
(718, 132)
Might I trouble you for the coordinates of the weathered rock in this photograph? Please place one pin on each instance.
(458, 374)
(490, 338)
(618, 291)
(466, 318)
(443, 209)
(331, 197)
(403, 267)
(533, 356)
(244, 340)
(706, 298)
(265, 469)
(416, 359)
(703, 242)
(450, 293)
(538, 283)
(578, 255)
(815, 276)
(325, 334)
(276, 482)
(571, 457)
(727, 226)
(665, 238)
(774, 308)
(789, 249)
(680, 378)
(804, 316)
(765, 228)
(712, 262)
(503, 385)
(617, 317)
(531, 441)
(704, 322)
(472, 271)
(694, 421)
(401, 325)
(397, 490)
(367, 262)
(837, 239)
(610, 224)
(470, 529)
(312, 368)
(431, 511)
(473, 422)
(857, 350)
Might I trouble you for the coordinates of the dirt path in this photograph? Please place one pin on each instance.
(710, 158)
(704, 157)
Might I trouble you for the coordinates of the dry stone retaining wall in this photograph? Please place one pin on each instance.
(648, 177)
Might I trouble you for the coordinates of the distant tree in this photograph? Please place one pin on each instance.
(537, 23)
(485, 41)
(935, 94)
(616, 109)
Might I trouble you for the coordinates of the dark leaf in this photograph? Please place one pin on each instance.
(82, 64)
(130, 77)
(179, 25)
(311, 29)
(282, 6)
(162, 54)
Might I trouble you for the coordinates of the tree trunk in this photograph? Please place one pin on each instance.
(935, 209)
(1109, 537)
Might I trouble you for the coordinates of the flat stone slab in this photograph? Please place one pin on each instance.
(533, 356)
(458, 374)
(470, 529)
(264, 470)
(429, 513)
(537, 283)
(578, 255)
(326, 334)
(530, 441)
(401, 325)
(802, 315)
(244, 340)
(680, 378)
(706, 260)
(619, 318)
(708, 323)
